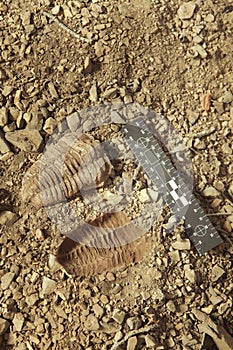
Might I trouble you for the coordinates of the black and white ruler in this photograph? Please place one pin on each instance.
(175, 192)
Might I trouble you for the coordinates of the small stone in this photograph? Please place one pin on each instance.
(99, 49)
(132, 343)
(217, 272)
(118, 316)
(8, 218)
(52, 263)
(48, 285)
(227, 97)
(18, 321)
(186, 10)
(200, 50)
(7, 279)
(4, 148)
(209, 18)
(32, 299)
(219, 107)
(3, 116)
(210, 191)
(35, 122)
(104, 299)
(110, 93)
(91, 323)
(134, 323)
(52, 90)
(67, 12)
(208, 309)
(93, 93)
(60, 312)
(98, 310)
(158, 294)
(88, 65)
(182, 244)
(192, 116)
(4, 325)
(55, 10)
(171, 306)
(7, 90)
(143, 196)
(110, 276)
(189, 273)
(150, 341)
(50, 125)
(26, 140)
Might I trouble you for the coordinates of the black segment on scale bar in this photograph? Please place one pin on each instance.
(160, 170)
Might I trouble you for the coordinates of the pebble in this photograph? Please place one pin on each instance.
(60, 312)
(8, 218)
(4, 148)
(50, 125)
(192, 116)
(182, 244)
(144, 196)
(210, 191)
(88, 65)
(150, 341)
(93, 93)
(52, 90)
(18, 321)
(48, 285)
(4, 325)
(26, 140)
(186, 10)
(171, 306)
(7, 279)
(7, 90)
(73, 121)
(134, 323)
(32, 299)
(98, 310)
(189, 273)
(118, 316)
(217, 272)
(200, 50)
(91, 323)
(227, 97)
(3, 116)
(110, 276)
(132, 343)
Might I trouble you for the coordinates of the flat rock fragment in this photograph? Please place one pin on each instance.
(186, 10)
(26, 140)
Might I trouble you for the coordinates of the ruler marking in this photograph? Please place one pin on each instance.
(159, 168)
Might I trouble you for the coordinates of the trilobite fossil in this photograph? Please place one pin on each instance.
(85, 166)
(83, 260)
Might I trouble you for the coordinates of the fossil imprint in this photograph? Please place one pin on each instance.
(59, 184)
(66, 182)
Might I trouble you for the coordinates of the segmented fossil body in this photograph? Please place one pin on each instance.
(79, 259)
(49, 181)
(55, 179)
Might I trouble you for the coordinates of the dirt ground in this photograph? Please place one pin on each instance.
(164, 55)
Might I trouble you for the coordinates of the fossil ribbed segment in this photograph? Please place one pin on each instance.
(82, 260)
(51, 180)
